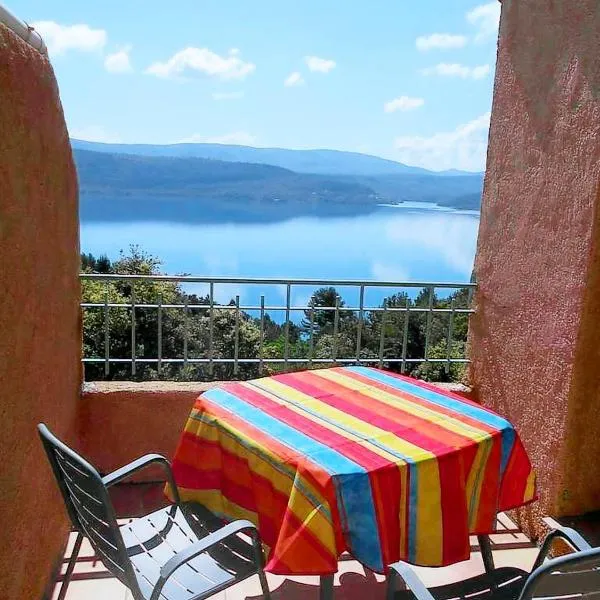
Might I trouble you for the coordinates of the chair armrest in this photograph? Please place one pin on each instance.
(142, 463)
(569, 535)
(408, 575)
(201, 546)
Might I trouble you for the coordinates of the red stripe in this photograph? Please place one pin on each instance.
(422, 402)
(428, 386)
(490, 488)
(404, 425)
(455, 529)
(364, 457)
(386, 489)
(514, 482)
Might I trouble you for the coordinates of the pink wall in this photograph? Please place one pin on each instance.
(125, 422)
(40, 340)
(535, 336)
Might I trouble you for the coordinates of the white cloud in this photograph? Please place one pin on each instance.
(62, 38)
(458, 70)
(319, 65)
(227, 95)
(294, 79)
(403, 103)
(464, 148)
(441, 41)
(385, 272)
(119, 62)
(238, 138)
(94, 133)
(486, 17)
(204, 61)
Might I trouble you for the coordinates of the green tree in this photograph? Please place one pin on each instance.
(324, 320)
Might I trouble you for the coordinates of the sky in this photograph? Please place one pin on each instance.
(406, 80)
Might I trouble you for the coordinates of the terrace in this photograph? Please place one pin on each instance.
(533, 329)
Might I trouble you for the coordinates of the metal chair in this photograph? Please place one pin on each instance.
(576, 575)
(181, 552)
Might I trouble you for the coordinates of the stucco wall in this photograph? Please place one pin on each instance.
(40, 340)
(534, 338)
(123, 421)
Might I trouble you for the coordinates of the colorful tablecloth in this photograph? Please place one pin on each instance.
(352, 459)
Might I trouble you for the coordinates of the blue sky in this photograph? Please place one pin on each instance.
(410, 81)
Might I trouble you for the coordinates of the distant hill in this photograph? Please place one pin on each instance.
(237, 183)
(125, 174)
(323, 162)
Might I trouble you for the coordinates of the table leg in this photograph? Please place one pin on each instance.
(326, 587)
(486, 553)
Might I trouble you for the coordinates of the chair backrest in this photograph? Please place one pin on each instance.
(88, 504)
(575, 575)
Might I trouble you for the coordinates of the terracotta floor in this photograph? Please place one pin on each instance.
(352, 582)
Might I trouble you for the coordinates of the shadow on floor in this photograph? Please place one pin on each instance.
(353, 586)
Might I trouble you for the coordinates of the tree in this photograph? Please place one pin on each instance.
(324, 320)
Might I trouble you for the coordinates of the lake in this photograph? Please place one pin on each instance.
(409, 242)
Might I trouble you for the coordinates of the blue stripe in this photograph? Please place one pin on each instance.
(350, 479)
(439, 399)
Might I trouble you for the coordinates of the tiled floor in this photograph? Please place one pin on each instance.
(352, 582)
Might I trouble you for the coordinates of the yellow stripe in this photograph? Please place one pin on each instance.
(530, 487)
(397, 400)
(360, 427)
(218, 504)
(476, 478)
(429, 534)
(213, 501)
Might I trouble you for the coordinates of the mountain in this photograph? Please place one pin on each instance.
(102, 172)
(322, 162)
(214, 180)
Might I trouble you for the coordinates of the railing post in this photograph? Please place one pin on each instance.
(286, 347)
(262, 335)
(428, 325)
(236, 339)
(106, 333)
(311, 339)
(449, 338)
(133, 344)
(211, 328)
(361, 305)
(159, 326)
(186, 314)
(405, 335)
(382, 334)
(336, 324)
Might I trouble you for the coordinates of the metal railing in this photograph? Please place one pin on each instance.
(384, 321)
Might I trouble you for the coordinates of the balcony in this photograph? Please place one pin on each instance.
(533, 328)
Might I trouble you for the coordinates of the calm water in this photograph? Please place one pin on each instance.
(408, 243)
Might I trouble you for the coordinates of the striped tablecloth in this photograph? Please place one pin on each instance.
(352, 459)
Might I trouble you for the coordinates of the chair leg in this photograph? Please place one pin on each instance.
(391, 584)
(264, 585)
(486, 553)
(326, 587)
(70, 567)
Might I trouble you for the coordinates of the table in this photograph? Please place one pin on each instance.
(352, 459)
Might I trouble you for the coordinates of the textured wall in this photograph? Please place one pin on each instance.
(535, 337)
(122, 422)
(40, 340)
